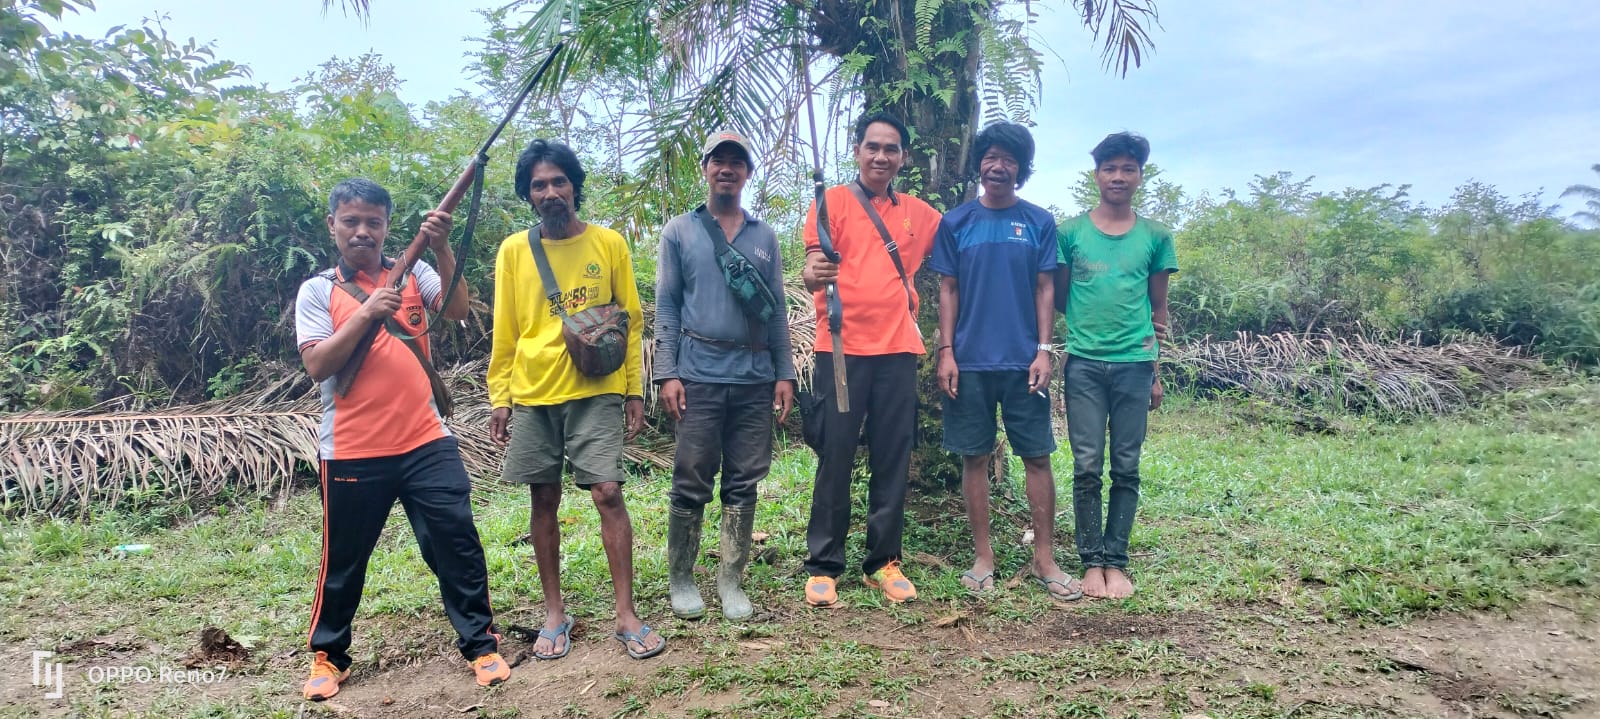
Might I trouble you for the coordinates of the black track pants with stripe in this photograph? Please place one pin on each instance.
(432, 486)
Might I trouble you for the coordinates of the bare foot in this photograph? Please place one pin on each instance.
(1118, 585)
(632, 625)
(1094, 583)
(981, 577)
(553, 641)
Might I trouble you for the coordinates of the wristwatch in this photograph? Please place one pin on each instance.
(1045, 347)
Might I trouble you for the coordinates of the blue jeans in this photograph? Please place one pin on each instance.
(1102, 395)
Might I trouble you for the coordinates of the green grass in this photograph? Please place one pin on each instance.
(1379, 522)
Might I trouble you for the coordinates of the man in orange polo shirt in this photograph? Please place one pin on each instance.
(881, 345)
(384, 439)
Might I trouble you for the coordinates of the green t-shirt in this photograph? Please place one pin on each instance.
(1108, 303)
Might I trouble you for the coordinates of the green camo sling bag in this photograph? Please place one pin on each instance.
(749, 288)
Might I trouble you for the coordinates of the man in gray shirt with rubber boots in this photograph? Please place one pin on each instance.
(724, 365)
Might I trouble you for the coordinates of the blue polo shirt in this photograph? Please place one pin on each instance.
(996, 257)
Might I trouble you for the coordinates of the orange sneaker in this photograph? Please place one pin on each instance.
(324, 680)
(820, 591)
(491, 669)
(896, 588)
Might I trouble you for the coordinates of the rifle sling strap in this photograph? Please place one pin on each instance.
(441, 394)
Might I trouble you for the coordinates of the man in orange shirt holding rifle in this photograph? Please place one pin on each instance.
(881, 237)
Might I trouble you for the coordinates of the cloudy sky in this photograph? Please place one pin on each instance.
(1430, 93)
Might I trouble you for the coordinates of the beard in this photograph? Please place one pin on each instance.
(556, 216)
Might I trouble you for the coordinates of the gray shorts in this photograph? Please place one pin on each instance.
(586, 432)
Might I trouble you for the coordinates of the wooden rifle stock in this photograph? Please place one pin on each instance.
(448, 205)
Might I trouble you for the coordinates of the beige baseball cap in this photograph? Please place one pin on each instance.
(719, 137)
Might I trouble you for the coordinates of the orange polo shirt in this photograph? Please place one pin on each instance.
(389, 409)
(876, 321)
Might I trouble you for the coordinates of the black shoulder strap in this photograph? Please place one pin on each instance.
(719, 240)
(551, 289)
(441, 393)
(888, 243)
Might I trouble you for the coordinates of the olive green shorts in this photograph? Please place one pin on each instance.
(585, 432)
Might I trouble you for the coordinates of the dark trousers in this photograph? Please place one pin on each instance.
(726, 426)
(432, 485)
(1104, 396)
(883, 396)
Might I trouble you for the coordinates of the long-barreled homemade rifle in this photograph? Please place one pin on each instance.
(472, 178)
(841, 383)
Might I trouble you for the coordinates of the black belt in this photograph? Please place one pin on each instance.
(725, 344)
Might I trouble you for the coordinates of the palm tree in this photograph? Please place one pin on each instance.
(1590, 194)
(744, 64)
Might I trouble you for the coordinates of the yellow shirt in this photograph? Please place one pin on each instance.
(529, 363)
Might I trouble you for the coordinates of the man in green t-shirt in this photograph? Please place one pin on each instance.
(1112, 285)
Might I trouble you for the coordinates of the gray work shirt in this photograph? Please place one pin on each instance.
(692, 298)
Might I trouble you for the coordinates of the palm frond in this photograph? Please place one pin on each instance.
(1590, 194)
(68, 462)
(1120, 25)
(1394, 377)
(361, 8)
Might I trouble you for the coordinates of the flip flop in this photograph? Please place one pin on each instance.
(555, 635)
(644, 631)
(1068, 592)
(987, 577)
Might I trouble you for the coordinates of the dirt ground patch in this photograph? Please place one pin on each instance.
(1541, 661)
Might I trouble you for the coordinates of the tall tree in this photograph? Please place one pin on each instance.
(1590, 194)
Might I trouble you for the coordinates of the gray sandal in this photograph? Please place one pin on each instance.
(979, 580)
(1071, 590)
(555, 635)
(644, 631)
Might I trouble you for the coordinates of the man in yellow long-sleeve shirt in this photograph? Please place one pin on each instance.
(547, 410)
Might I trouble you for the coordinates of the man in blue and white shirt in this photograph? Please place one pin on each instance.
(997, 255)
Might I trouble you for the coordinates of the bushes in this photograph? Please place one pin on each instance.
(1369, 261)
(154, 228)
(1557, 320)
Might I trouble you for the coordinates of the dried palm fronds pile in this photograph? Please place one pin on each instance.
(255, 443)
(60, 462)
(1356, 374)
